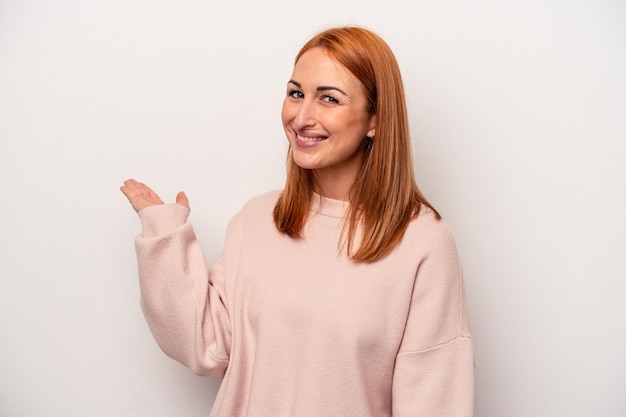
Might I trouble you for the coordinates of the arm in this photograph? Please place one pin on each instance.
(182, 299)
(434, 368)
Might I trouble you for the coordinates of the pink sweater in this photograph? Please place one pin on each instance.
(296, 329)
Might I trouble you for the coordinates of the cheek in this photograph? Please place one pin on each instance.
(286, 113)
(347, 124)
(346, 120)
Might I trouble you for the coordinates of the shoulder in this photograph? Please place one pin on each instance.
(262, 201)
(258, 207)
(430, 232)
(256, 212)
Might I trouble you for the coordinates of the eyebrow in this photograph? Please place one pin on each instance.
(320, 88)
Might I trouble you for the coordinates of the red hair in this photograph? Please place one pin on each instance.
(385, 197)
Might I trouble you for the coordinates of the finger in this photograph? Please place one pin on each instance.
(131, 191)
(131, 184)
(131, 188)
(128, 192)
(139, 189)
(146, 190)
(181, 198)
(136, 193)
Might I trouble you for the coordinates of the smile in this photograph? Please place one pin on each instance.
(307, 139)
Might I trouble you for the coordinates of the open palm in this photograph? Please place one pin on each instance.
(141, 196)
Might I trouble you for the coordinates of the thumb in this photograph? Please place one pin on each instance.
(181, 198)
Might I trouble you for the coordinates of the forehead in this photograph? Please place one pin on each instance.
(317, 67)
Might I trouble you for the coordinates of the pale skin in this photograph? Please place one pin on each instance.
(141, 196)
(326, 106)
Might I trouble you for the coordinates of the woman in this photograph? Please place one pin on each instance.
(342, 295)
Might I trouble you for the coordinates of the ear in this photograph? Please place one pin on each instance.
(372, 126)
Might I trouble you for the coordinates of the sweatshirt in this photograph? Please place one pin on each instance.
(297, 329)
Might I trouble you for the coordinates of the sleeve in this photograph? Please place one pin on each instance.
(434, 369)
(183, 300)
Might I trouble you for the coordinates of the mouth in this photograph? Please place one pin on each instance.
(307, 140)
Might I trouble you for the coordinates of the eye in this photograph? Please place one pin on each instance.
(329, 99)
(295, 94)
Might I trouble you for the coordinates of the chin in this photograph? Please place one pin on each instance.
(304, 163)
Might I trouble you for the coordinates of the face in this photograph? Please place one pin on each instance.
(325, 117)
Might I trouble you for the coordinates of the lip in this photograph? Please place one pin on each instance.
(307, 140)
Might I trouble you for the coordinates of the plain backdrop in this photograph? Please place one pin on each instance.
(518, 117)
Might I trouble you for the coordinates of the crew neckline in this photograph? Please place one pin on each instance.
(329, 207)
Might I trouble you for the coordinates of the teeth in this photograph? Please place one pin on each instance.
(307, 139)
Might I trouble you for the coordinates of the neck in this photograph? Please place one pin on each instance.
(330, 185)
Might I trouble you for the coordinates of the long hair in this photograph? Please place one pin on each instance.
(384, 198)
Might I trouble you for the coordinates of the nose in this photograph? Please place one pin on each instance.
(305, 114)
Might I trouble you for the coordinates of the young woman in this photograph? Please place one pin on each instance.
(341, 295)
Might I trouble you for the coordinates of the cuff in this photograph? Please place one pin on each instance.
(162, 219)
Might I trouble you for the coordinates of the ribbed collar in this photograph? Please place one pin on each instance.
(329, 207)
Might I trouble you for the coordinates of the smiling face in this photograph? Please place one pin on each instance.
(326, 120)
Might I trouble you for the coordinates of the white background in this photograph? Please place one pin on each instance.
(518, 114)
